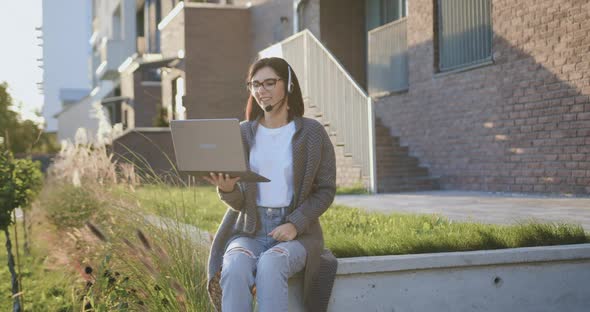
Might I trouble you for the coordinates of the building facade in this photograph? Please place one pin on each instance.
(65, 56)
(513, 116)
(484, 95)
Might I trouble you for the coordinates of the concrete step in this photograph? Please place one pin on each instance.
(398, 163)
(401, 173)
(410, 184)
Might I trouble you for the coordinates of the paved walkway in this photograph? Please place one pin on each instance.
(499, 208)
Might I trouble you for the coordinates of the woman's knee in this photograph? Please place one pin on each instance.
(238, 262)
(274, 261)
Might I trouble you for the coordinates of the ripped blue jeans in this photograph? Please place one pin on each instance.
(260, 261)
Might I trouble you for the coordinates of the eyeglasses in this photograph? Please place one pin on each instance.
(267, 84)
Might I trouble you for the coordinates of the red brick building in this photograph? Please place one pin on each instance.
(487, 95)
(517, 122)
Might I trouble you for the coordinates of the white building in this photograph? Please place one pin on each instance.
(66, 52)
(111, 42)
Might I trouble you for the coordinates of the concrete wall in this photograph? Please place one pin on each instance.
(272, 21)
(82, 114)
(310, 17)
(172, 36)
(521, 124)
(217, 43)
(535, 279)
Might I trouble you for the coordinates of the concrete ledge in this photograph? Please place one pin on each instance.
(379, 264)
(552, 278)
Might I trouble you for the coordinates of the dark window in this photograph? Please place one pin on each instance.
(140, 22)
(125, 120)
(151, 74)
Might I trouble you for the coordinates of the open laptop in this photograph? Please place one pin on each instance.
(202, 146)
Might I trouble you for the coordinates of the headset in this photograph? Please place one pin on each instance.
(289, 83)
(270, 107)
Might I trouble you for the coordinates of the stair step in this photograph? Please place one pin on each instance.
(407, 184)
(393, 153)
(402, 189)
(399, 165)
(401, 174)
(398, 148)
(386, 141)
(393, 158)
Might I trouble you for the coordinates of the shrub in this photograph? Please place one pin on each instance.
(71, 206)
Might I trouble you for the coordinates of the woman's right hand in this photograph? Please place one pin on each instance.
(224, 182)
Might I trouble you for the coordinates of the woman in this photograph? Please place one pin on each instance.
(271, 230)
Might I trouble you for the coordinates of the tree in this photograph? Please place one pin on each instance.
(7, 191)
(22, 136)
(20, 182)
(28, 181)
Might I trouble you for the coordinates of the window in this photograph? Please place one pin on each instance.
(464, 31)
(151, 74)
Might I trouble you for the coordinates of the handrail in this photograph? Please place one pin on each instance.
(326, 84)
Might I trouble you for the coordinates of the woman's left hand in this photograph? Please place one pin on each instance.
(284, 232)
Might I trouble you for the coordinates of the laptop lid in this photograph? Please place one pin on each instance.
(211, 145)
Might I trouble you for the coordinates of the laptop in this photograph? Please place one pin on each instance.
(202, 146)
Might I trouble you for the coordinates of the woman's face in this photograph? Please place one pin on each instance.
(267, 87)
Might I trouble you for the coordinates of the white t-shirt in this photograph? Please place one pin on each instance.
(272, 157)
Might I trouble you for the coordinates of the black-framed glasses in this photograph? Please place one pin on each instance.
(267, 84)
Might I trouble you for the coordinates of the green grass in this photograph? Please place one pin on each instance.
(70, 206)
(160, 269)
(357, 189)
(199, 206)
(351, 232)
(43, 289)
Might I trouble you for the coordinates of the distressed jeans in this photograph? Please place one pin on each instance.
(261, 261)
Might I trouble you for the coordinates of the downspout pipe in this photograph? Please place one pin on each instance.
(297, 6)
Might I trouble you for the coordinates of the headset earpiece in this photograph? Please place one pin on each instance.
(289, 83)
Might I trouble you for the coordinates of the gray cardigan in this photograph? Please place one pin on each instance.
(314, 187)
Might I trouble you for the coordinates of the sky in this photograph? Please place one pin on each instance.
(19, 52)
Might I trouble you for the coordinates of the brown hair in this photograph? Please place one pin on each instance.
(280, 66)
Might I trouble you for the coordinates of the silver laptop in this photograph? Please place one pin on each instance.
(202, 146)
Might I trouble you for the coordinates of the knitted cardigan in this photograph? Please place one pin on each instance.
(314, 187)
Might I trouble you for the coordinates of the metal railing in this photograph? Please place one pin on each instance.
(344, 105)
(388, 58)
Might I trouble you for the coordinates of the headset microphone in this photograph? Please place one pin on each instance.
(268, 108)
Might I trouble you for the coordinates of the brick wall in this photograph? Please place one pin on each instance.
(521, 124)
(218, 53)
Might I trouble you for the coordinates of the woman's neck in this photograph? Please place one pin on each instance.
(275, 119)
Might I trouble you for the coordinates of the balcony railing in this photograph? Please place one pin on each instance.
(344, 105)
(388, 58)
